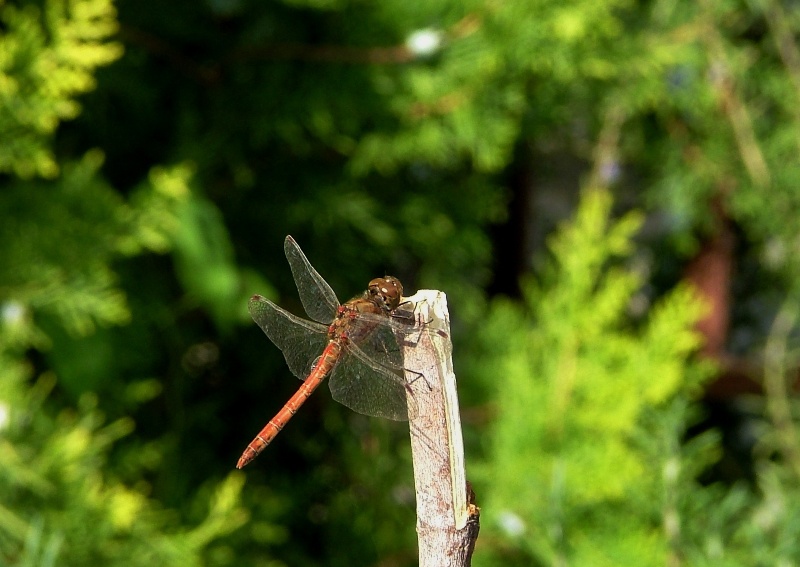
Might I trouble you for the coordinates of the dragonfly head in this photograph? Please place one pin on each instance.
(387, 291)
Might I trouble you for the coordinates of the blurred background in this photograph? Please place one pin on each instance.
(608, 192)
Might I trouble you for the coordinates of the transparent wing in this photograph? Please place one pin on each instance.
(318, 298)
(301, 341)
(359, 385)
(370, 377)
(376, 338)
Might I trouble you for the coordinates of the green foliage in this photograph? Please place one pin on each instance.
(205, 265)
(48, 55)
(574, 455)
(66, 232)
(144, 195)
(61, 506)
(63, 501)
(470, 103)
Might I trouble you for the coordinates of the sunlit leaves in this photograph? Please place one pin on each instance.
(575, 391)
(47, 58)
(61, 505)
(63, 234)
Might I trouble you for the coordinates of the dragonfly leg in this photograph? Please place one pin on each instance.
(417, 376)
(414, 317)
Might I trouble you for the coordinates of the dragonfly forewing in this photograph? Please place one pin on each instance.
(301, 341)
(319, 299)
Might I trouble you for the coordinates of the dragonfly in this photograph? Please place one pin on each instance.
(356, 343)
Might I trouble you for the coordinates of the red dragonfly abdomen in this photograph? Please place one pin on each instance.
(324, 366)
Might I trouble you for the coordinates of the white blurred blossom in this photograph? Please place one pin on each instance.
(424, 42)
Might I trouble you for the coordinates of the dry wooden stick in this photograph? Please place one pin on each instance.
(447, 518)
